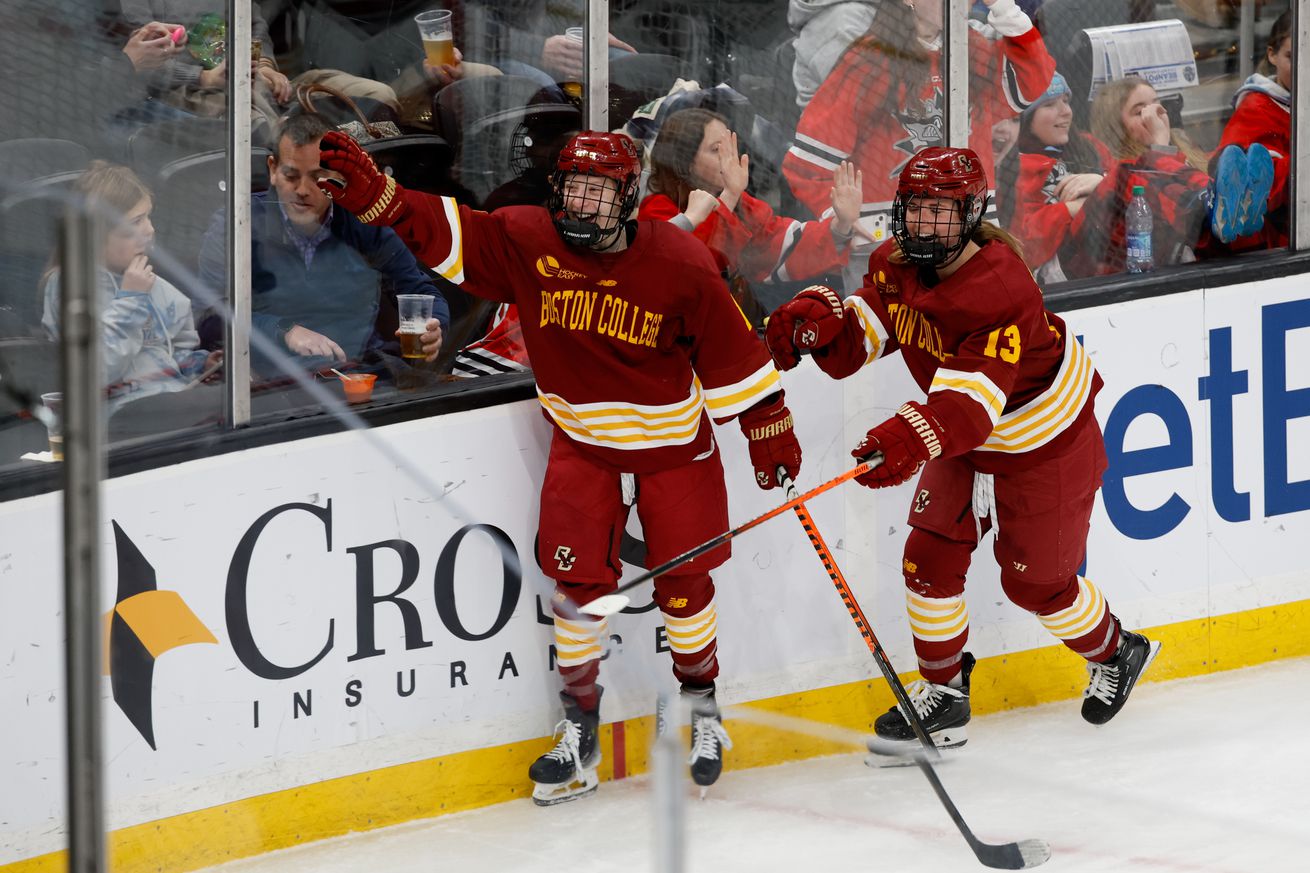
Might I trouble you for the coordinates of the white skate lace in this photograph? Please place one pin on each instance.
(705, 730)
(570, 737)
(924, 696)
(1104, 682)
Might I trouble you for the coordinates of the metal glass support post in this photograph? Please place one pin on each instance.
(955, 42)
(596, 58)
(84, 465)
(1299, 196)
(668, 763)
(1246, 40)
(236, 332)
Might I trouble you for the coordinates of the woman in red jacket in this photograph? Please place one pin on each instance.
(698, 182)
(1263, 114)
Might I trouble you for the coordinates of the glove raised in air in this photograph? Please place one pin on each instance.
(810, 320)
(771, 440)
(369, 194)
(907, 439)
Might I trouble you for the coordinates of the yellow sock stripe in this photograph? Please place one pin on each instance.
(577, 642)
(691, 633)
(1080, 618)
(934, 619)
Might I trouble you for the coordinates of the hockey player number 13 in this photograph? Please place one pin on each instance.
(1010, 354)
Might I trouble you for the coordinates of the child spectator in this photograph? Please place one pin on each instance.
(150, 343)
(1262, 114)
(1058, 167)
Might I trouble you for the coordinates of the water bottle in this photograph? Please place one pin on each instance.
(1138, 225)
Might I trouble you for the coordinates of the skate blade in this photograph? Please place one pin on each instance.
(563, 792)
(905, 753)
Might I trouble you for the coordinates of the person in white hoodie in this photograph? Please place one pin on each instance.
(824, 29)
(149, 338)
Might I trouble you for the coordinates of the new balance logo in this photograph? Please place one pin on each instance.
(1020, 567)
(677, 603)
(564, 558)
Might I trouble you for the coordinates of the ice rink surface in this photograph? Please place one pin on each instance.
(1205, 775)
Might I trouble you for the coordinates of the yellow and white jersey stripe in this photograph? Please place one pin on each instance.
(936, 619)
(1047, 415)
(452, 266)
(693, 633)
(578, 641)
(1079, 619)
(976, 386)
(628, 426)
(633, 426)
(729, 400)
(875, 335)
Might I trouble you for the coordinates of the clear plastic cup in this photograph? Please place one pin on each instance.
(54, 402)
(438, 38)
(414, 311)
(574, 89)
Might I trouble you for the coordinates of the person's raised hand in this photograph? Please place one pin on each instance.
(847, 197)
(151, 46)
(562, 56)
(364, 190)
(736, 170)
(139, 276)
(700, 205)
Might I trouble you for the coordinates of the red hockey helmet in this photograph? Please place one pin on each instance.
(938, 173)
(612, 156)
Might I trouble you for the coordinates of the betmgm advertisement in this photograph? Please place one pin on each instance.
(293, 613)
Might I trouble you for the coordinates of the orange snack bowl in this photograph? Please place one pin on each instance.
(358, 386)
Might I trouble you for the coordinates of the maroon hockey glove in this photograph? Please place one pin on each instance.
(810, 320)
(907, 439)
(371, 195)
(772, 442)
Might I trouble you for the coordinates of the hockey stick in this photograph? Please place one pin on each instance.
(1007, 856)
(608, 604)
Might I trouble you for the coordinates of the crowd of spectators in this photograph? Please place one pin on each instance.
(863, 93)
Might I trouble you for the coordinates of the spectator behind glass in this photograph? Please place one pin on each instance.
(1128, 119)
(150, 343)
(883, 103)
(824, 29)
(315, 269)
(1263, 114)
(1058, 167)
(698, 181)
(528, 38)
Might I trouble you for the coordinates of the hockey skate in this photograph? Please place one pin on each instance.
(568, 771)
(944, 711)
(708, 736)
(1111, 682)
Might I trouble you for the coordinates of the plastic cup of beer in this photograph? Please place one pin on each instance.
(573, 89)
(438, 39)
(414, 310)
(54, 402)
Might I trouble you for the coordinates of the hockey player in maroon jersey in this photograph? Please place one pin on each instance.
(635, 345)
(1006, 437)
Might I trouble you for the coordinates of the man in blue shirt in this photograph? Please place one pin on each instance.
(317, 271)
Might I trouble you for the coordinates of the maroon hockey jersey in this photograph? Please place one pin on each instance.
(855, 117)
(630, 350)
(1002, 374)
(758, 244)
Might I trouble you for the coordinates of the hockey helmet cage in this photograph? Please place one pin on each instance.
(610, 155)
(940, 173)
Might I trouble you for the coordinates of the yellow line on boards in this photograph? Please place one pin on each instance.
(468, 780)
